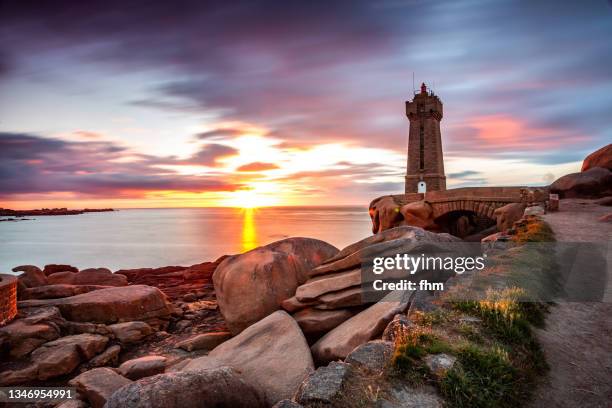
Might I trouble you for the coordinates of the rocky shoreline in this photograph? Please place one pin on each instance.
(247, 330)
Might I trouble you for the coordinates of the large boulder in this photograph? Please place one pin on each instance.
(32, 276)
(272, 355)
(112, 305)
(252, 285)
(214, 387)
(595, 182)
(599, 158)
(92, 276)
(418, 214)
(98, 385)
(361, 328)
(385, 214)
(508, 214)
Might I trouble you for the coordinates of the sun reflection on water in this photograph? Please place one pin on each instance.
(249, 234)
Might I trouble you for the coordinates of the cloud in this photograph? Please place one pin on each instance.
(464, 174)
(209, 154)
(257, 166)
(219, 134)
(33, 164)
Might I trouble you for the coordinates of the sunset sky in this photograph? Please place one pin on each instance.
(168, 104)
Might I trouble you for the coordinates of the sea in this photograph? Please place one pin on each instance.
(149, 238)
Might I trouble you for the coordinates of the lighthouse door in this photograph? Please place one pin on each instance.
(421, 187)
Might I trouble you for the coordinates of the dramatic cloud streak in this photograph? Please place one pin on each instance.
(31, 164)
(523, 84)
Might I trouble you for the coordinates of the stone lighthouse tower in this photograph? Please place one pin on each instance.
(425, 169)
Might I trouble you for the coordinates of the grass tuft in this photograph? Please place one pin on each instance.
(410, 350)
(482, 379)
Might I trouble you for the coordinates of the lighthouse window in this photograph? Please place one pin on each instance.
(422, 147)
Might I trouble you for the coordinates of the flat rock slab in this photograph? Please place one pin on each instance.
(343, 298)
(98, 385)
(324, 385)
(111, 305)
(272, 355)
(293, 305)
(353, 255)
(359, 329)
(321, 285)
(313, 321)
(58, 291)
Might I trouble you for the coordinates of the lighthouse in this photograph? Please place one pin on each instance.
(425, 167)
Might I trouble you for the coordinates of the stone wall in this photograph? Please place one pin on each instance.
(8, 298)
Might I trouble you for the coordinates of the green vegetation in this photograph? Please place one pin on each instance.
(484, 378)
(504, 315)
(407, 358)
(499, 360)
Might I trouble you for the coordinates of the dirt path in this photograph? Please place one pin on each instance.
(577, 340)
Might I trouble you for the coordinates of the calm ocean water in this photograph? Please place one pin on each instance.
(135, 238)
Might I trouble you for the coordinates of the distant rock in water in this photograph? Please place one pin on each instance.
(49, 211)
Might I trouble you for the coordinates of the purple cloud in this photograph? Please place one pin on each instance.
(32, 164)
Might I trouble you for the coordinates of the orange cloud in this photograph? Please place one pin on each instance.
(257, 166)
(504, 133)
